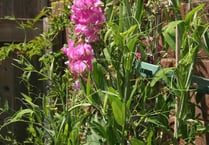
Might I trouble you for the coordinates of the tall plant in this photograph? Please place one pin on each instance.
(190, 33)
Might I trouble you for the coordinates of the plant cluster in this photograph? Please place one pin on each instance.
(88, 18)
(99, 98)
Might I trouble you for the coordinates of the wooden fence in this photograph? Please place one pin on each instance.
(10, 87)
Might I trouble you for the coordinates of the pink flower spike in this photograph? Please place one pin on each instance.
(88, 18)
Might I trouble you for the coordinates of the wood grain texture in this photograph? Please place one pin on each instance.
(10, 31)
(21, 8)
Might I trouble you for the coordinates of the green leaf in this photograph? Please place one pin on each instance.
(132, 44)
(29, 68)
(29, 101)
(99, 129)
(135, 141)
(18, 116)
(74, 136)
(118, 39)
(66, 130)
(118, 109)
(88, 85)
(135, 87)
(98, 75)
(149, 138)
(107, 35)
(172, 25)
(113, 135)
(156, 122)
(6, 106)
(129, 31)
(162, 74)
(169, 33)
(107, 54)
(170, 39)
(190, 15)
(139, 10)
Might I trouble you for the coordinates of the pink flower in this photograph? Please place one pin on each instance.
(88, 18)
(78, 66)
(93, 16)
(78, 52)
(149, 39)
(138, 55)
(91, 33)
(80, 57)
(66, 50)
(76, 85)
(85, 4)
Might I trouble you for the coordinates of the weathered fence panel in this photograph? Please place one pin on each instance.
(10, 86)
(21, 8)
(22, 11)
(10, 30)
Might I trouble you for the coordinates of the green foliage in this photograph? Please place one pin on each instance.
(115, 105)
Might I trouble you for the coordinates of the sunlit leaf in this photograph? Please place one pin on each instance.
(190, 15)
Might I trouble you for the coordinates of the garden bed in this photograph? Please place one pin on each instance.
(116, 81)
